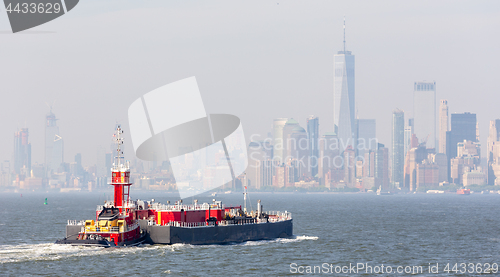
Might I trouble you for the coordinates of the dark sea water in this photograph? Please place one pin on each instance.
(331, 230)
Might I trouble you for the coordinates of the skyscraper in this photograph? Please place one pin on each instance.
(266, 173)
(493, 152)
(101, 163)
(278, 142)
(427, 175)
(493, 137)
(477, 131)
(298, 151)
(443, 125)
(313, 136)
(463, 127)
(424, 112)
(349, 167)
(258, 154)
(398, 147)
(366, 135)
(288, 129)
(22, 153)
(408, 135)
(329, 157)
(53, 144)
(382, 167)
(343, 97)
(415, 156)
(5, 173)
(78, 165)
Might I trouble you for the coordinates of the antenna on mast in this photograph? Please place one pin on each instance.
(245, 199)
(344, 34)
(119, 141)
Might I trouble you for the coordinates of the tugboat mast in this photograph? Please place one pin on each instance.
(120, 174)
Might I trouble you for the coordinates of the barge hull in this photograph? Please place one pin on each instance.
(216, 234)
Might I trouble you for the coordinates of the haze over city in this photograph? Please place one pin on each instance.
(259, 61)
(347, 137)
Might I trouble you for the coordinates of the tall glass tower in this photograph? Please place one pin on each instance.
(22, 152)
(408, 134)
(443, 125)
(463, 127)
(278, 141)
(53, 144)
(424, 112)
(366, 136)
(398, 147)
(312, 137)
(343, 97)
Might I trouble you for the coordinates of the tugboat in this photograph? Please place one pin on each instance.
(124, 222)
(116, 223)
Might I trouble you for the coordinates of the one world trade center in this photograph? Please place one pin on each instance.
(343, 98)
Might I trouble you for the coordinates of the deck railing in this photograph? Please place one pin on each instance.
(76, 222)
(178, 207)
(273, 217)
(126, 205)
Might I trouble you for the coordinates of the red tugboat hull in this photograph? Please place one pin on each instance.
(100, 242)
(463, 191)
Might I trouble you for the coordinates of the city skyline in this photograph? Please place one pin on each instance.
(375, 99)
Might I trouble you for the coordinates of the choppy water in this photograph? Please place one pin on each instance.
(398, 230)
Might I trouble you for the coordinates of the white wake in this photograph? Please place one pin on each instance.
(51, 251)
(281, 240)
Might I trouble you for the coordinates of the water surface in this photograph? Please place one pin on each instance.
(337, 229)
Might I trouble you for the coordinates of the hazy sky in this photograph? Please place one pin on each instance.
(258, 60)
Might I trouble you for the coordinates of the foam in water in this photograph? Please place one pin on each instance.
(51, 251)
(45, 251)
(281, 240)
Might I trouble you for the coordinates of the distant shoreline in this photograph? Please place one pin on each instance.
(19, 191)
